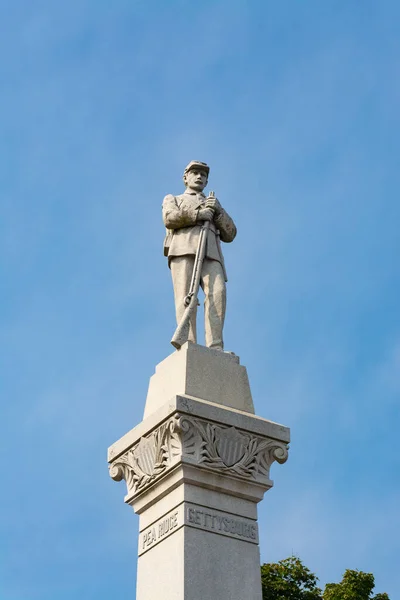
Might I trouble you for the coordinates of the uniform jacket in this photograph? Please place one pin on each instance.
(180, 215)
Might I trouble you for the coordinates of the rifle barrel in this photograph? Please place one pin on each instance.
(181, 334)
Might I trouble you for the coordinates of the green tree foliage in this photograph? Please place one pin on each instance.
(355, 585)
(289, 579)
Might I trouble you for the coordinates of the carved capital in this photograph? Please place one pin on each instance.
(216, 447)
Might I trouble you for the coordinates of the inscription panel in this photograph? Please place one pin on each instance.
(199, 517)
(161, 529)
(221, 523)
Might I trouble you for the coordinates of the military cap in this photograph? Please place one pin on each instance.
(196, 164)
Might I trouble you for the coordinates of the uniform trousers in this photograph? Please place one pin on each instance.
(213, 284)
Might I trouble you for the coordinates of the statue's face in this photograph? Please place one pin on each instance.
(196, 180)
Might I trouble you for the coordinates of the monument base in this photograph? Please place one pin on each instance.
(195, 471)
(201, 372)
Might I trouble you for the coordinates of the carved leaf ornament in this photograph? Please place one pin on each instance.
(228, 450)
(145, 462)
(223, 449)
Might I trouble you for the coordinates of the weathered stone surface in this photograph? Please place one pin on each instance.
(196, 564)
(194, 472)
(218, 439)
(187, 439)
(202, 373)
(195, 469)
(197, 516)
(196, 225)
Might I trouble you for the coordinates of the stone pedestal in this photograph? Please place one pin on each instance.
(195, 470)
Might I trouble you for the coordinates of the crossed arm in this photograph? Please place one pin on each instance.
(189, 214)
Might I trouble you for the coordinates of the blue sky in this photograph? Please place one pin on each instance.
(295, 105)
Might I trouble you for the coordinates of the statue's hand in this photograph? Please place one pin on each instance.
(214, 204)
(205, 214)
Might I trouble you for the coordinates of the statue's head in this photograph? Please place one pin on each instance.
(195, 176)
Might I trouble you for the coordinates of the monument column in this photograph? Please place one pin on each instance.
(195, 469)
(198, 464)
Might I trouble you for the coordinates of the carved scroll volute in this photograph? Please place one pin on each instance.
(272, 450)
(149, 458)
(280, 453)
(117, 472)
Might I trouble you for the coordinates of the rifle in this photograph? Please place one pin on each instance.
(182, 331)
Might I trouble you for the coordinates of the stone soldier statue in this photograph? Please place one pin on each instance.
(183, 217)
